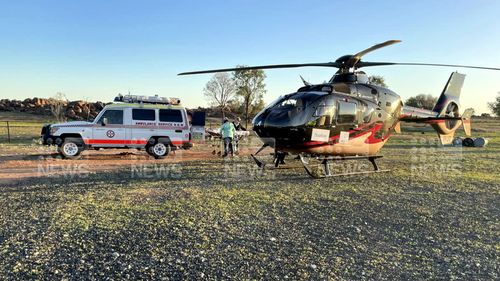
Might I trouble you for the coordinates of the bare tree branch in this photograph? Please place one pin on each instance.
(220, 90)
(58, 106)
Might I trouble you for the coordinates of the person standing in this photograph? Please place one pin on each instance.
(238, 127)
(227, 132)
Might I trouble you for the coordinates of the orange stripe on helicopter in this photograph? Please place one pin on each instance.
(434, 121)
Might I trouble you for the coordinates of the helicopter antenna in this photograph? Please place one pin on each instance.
(304, 81)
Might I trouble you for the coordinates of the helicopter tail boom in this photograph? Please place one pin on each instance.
(445, 117)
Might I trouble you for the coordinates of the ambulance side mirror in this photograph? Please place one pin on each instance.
(105, 121)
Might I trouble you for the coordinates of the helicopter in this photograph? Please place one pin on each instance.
(348, 118)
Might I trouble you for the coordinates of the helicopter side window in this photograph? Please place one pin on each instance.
(320, 111)
(288, 103)
(323, 115)
(346, 112)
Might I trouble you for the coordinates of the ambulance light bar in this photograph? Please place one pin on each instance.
(147, 99)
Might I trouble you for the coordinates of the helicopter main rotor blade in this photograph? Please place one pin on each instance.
(354, 59)
(366, 64)
(327, 64)
(448, 65)
(344, 63)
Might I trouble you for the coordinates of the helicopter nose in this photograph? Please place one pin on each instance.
(282, 136)
(275, 127)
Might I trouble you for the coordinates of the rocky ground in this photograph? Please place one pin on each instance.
(436, 215)
(62, 109)
(74, 110)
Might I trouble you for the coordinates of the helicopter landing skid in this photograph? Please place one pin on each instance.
(278, 159)
(322, 169)
(259, 163)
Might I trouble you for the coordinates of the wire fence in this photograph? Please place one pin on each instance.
(19, 131)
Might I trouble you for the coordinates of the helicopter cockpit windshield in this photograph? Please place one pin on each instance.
(290, 110)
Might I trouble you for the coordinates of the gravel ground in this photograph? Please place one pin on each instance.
(215, 219)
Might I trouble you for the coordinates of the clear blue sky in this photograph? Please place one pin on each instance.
(96, 49)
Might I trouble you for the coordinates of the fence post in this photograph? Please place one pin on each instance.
(8, 132)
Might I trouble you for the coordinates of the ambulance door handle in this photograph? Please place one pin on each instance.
(178, 131)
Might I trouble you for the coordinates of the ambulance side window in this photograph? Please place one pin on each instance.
(143, 114)
(170, 115)
(114, 116)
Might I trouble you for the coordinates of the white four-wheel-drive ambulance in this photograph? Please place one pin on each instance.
(153, 123)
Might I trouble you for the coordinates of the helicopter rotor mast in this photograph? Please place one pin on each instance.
(349, 62)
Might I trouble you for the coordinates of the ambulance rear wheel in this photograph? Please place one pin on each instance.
(70, 149)
(159, 150)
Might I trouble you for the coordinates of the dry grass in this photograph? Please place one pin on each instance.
(217, 222)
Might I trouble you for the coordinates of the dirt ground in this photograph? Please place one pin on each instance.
(21, 162)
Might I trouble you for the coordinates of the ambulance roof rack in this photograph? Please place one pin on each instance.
(147, 99)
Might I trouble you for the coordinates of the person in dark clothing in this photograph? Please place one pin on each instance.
(238, 127)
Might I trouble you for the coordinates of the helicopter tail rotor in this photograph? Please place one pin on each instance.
(448, 101)
(448, 109)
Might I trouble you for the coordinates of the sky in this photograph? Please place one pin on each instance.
(93, 50)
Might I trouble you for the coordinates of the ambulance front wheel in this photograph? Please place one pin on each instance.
(159, 150)
(70, 149)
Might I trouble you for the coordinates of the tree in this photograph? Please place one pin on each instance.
(422, 101)
(377, 80)
(495, 106)
(86, 109)
(58, 105)
(258, 106)
(219, 91)
(250, 88)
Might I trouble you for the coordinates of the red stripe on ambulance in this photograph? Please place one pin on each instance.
(106, 141)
